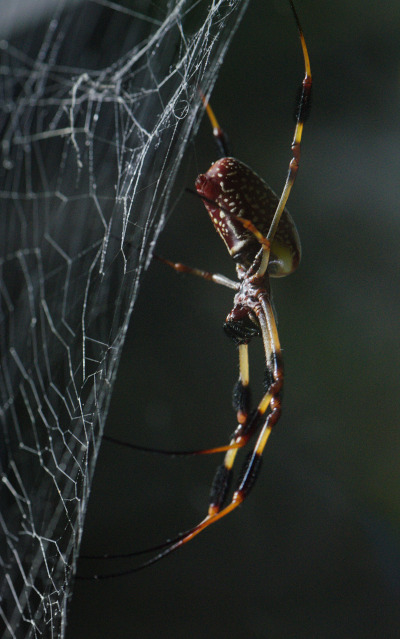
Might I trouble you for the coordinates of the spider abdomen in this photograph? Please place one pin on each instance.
(232, 190)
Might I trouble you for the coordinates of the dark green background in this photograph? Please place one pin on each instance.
(315, 551)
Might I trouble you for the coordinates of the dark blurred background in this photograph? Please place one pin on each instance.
(315, 551)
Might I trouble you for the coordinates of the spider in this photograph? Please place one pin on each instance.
(261, 237)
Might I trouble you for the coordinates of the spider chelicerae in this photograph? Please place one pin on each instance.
(261, 237)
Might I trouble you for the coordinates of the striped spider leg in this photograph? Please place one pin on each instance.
(261, 237)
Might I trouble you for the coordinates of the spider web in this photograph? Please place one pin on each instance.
(97, 103)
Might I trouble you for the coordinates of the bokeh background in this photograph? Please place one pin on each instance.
(315, 551)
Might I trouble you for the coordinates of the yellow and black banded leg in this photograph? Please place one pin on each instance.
(241, 404)
(271, 401)
(249, 474)
(241, 391)
(248, 423)
(220, 136)
(301, 114)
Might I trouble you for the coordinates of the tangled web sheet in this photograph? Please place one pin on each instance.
(97, 102)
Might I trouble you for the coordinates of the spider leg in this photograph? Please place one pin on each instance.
(300, 116)
(213, 277)
(247, 425)
(172, 453)
(264, 242)
(270, 400)
(220, 136)
(241, 392)
(252, 465)
(241, 403)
